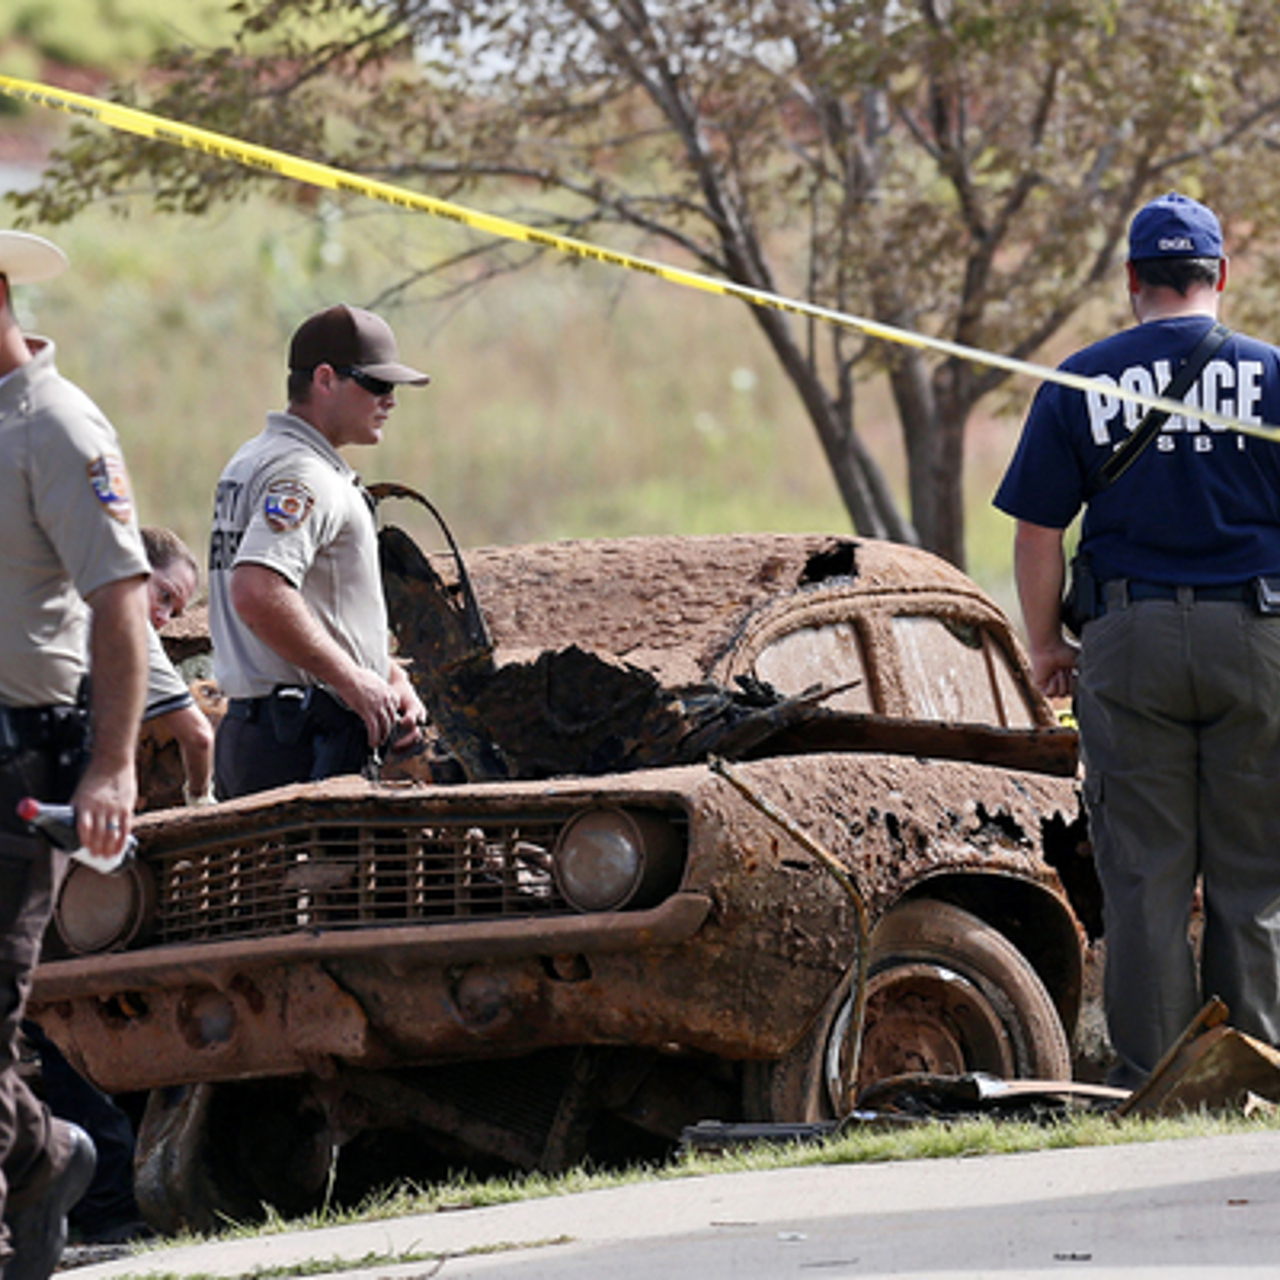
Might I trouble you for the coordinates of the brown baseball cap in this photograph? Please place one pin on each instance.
(27, 259)
(350, 338)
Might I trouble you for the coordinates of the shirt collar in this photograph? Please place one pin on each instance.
(13, 383)
(288, 424)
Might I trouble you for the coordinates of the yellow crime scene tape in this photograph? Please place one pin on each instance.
(267, 160)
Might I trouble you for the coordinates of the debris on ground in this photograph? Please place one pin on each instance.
(918, 1098)
(1211, 1067)
(920, 1095)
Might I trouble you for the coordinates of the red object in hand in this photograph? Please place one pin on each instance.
(57, 823)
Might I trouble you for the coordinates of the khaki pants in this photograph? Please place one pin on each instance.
(1179, 711)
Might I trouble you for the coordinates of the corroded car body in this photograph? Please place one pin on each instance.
(399, 967)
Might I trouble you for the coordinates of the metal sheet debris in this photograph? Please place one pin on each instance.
(1212, 1066)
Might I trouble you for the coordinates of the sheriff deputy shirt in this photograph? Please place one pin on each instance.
(1201, 505)
(67, 527)
(289, 501)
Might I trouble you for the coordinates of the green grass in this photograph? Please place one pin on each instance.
(565, 402)
(368, 1261)
(866, 1144)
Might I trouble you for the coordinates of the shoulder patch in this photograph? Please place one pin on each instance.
(110, 482)
(286, 504)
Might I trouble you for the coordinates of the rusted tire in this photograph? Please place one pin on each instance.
(212, 1153)
(801, 1087)
(948, 994)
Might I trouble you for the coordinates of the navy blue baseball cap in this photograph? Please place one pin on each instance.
(1174, 226)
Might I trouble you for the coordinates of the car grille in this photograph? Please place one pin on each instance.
(362, 874)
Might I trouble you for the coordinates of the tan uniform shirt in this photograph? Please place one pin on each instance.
(288, 500)
(67, 527)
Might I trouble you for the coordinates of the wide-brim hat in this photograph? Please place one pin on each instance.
(28, 259)
(351, 338)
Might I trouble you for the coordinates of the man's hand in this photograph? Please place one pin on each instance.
(108, 789)
(413, 715)
(391, 709)
(1054, 668)
(374, 700)
(104, 803)
(1040, 571)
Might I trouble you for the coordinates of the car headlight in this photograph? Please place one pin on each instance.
(606, 859)
(98, 912)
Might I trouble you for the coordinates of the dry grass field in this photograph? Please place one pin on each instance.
(568, 400)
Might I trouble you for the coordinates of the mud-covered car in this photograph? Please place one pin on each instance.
(522, 972)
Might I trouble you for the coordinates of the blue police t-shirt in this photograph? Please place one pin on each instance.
(1201, 504)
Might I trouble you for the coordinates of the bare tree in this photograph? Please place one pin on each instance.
(964, 168)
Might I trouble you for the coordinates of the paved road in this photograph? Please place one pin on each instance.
(1191, 1208)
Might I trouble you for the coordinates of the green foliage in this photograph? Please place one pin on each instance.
(966, 169)
(108, 35)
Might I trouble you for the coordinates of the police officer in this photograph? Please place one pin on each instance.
(296, 609)
(69, 543)
(1178, 695)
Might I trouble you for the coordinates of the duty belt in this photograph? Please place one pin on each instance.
(40, 728)
(303, 706)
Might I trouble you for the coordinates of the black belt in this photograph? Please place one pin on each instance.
(294, 709)
(1123, 591)
(245, 708)
(39, 728)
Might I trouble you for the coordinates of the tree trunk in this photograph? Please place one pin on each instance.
(933, 425)
(948, 490)
(860, 480)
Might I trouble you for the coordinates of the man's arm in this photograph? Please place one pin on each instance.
(1039, 569)
(108, 790)
(190, 729)
(274, 610)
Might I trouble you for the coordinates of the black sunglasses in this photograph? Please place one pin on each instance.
(374, 386)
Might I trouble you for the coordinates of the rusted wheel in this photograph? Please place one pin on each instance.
(213, 1153)
(948, 994)
(802, 1087)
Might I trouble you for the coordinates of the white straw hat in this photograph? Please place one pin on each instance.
(26, 259)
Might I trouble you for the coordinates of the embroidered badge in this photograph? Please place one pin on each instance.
(110, 483)
(287, 504)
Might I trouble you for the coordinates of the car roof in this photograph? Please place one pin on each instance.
(672, 604)
(675, 605)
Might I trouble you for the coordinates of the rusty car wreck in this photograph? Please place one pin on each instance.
(522, 968)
